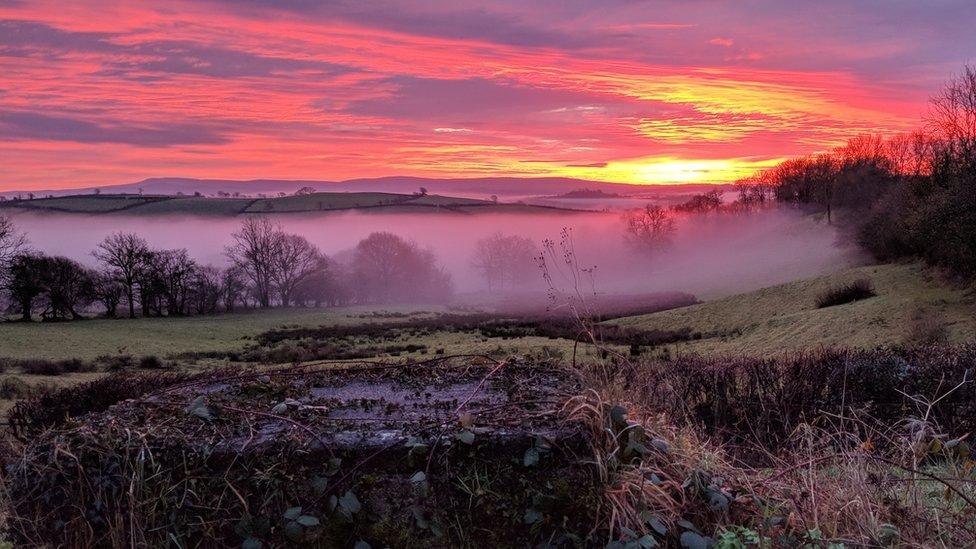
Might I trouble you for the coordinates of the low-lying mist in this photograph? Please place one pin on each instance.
(710, 256)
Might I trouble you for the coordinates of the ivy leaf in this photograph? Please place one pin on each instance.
(252, 543)
(294, 532)
(531, 457)
(293, 513)
(618, 415)
(198, 407)
(694, 540)
(349, 503)
(655, 523)
(279, 408)
(319, 484)
(646, 542)
(307, 521)
(532, 516)
(466, 437)
(418, 477)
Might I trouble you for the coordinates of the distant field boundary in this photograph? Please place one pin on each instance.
(248, 205)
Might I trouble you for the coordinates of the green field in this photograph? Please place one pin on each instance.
(315, 202)
(166, 337)
(785, 318)
(86, 203)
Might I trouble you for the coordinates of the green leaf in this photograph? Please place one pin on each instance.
(419, 517)
(660, 444)
(718, 501)
(531, 457)
(656, 524)
(198, 407)
(362, 545)
(294, 532)
(252, 543)
(618, 415)
(693, 540)
(532, 516)
(419, 476)
(279, 408)
(466, 437)
(646, 542)
(307, 521)
(319, 484)
(349, 503)
(293, 513)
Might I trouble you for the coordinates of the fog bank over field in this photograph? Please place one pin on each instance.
(712, 255)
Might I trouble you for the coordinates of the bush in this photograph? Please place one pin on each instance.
(52, 407)
(859, 289)
(12, 388)
(41, 367)
(151, 362)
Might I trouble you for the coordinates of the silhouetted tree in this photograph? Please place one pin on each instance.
(504, 260)
(125, 255)
(107, 290)
(650, 228)
(294, 259)
(254, 254)
(27, 281)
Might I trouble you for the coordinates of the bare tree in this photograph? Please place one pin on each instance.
(108, 291)
(295, 258)
(952, 117)
(649, 228)
(124, 254)
(69, 287)
(206, 289)
(504, 259)
(12, 242)
(234, 287)
(173, 273)
(254, 253)
(27, 281)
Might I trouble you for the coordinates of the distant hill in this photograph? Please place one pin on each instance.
(482, 187)
(148, 204)
(588, 193)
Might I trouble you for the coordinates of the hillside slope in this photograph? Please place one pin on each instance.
(912, 300)
(133, 204)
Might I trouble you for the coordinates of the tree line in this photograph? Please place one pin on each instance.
(907, 195)
(266, 267)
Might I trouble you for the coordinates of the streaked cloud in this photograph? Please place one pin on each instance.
(94, 93)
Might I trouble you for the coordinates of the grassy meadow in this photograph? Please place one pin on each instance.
(912, 302)
(315, 202)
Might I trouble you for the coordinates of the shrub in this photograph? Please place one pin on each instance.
(50, 407)
(41, 367)
(12, 388)
(859, 289)
(151, 362)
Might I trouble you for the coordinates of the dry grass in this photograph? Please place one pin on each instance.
(785, 318)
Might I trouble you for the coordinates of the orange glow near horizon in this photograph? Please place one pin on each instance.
(638, 93)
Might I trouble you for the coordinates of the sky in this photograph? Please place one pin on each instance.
(631, 91)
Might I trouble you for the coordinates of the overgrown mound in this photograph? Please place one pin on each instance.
(421, 455)
(848, 293)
